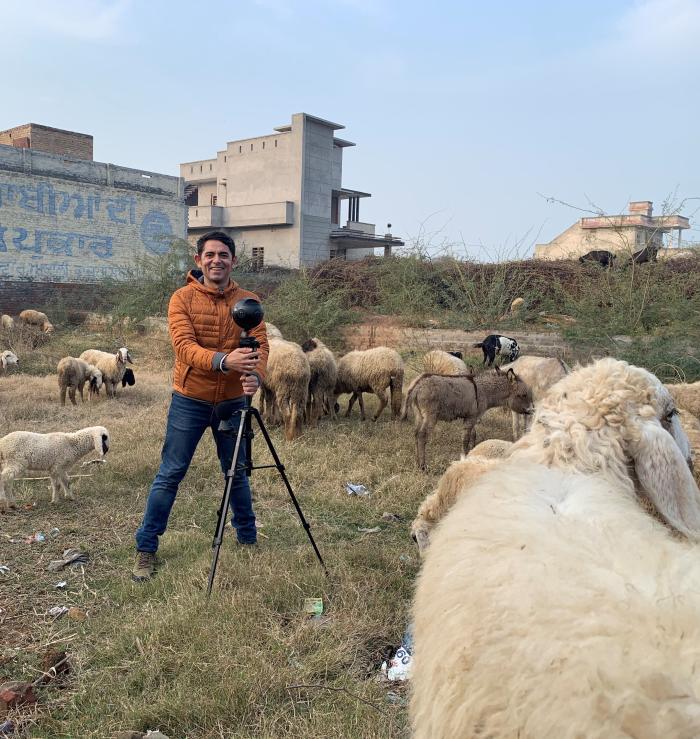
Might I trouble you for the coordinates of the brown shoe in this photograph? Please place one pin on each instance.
(144, 567)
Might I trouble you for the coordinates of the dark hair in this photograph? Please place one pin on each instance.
(224, 238)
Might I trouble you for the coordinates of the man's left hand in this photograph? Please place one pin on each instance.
(250, 384)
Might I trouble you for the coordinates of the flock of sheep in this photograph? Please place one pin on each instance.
(559, 593)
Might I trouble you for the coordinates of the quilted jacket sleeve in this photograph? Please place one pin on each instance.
(260, 333)
(183, 336)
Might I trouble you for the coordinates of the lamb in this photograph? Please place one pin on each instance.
(458, 477)
(73, 374)
(550, 604)
(56, 453)
(687, 396)
(36, 318)
(438, 362)
(371, 371)
(494, 344)
(285, 389)
(539, 374)
(324, 373)
(7, 359)
(7, 322)
(436, 398)
(112, 366)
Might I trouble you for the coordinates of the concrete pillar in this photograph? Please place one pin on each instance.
(387, 250)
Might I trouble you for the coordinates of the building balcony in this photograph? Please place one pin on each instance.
(241, 216)
(358, 235)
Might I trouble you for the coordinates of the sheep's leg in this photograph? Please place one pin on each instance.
(71, 394)
(55, 488)
(65, 484)
(80, 390)
(7, 499)
(383, 402)
(351, 403)
(63, 395)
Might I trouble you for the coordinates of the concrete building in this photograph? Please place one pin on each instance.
(281, 197)
(626, 233)
(67, 219)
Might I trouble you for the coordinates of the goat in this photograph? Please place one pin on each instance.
(494, 344)
(600, 256)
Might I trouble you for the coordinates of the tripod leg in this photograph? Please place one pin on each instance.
(280, 469)
(223, 511)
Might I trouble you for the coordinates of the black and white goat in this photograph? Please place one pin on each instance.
(494, 344)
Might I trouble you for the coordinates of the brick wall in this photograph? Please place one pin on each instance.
(52, 140)
(17, 296)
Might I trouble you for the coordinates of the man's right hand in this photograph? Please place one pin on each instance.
(243, 360)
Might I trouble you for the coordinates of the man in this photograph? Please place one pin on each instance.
(210, 366)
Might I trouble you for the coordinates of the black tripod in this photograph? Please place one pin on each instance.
(224, 412)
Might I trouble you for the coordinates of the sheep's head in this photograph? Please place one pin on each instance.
(47, 327)
(123, 356)
(611, 417)
(8, 358)
(95, 380)
(100, 437)
(420, 533)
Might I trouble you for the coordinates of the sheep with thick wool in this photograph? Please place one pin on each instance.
(112, 366)
(272, 331)
(687, 396)
(7, 322)
(455, 481)
(26, 452)
(439, 362)
(285, 389)
(324, 373)
(73, 374)
(539, 374)
(36, 318)
(550, 604)
(371, 371)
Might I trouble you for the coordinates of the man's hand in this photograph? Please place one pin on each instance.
(250, 384)
(244, 359)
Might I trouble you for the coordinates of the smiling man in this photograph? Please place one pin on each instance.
(210, 367)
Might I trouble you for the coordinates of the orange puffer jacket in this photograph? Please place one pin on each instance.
(202, 332)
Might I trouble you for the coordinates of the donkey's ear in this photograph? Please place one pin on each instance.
(511, 375)
(664, 475)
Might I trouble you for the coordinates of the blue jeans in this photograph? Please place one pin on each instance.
(188, 419)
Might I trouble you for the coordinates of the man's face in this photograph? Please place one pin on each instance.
(216, 263)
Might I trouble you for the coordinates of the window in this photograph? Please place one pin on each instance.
(224, 157)
(200, 167)
(275, 143)
(210, 167)
(640, 237)
(263, 144)
(213, 199)
(191, 170)
(257, 260)
(251, 147)
(240, 149)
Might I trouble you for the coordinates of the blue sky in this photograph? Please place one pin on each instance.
(465, 114)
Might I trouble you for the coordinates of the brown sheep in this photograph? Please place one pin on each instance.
(36, 318)
(687, 396)
(371, 371)
(436, 398)
(73, 374)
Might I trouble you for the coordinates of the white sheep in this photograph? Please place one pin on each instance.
(550, 603)
(73, 374)
(55, 454)
(272, 331)
(439, 362)
(7, 359)
(7, 322)
(371, 371)
(324, 373)
(687, 396)
(112, 366)
(539, 374)
(455, 481)
(285, 388)
(36, 318)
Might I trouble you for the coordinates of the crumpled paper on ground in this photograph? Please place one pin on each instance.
(70, 557)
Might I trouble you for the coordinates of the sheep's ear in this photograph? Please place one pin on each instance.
(129, 359)
(664, 475)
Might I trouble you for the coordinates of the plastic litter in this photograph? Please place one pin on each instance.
(155, 735)
(386, 516)
(314, 606)
(398, 668)
(4, 570)
(58, 611)
(36, 538)
(369, 531)
(54, 533)
(61, 585)
(7, 728)
(356, 489)
(70, 557)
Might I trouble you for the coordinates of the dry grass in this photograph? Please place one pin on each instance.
(157, 654)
